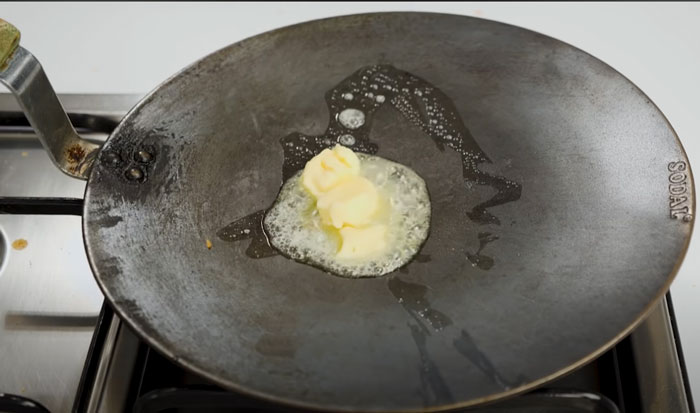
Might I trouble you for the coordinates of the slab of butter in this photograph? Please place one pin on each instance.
(346, 201)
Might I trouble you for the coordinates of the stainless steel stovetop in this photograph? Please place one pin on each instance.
(50, 303)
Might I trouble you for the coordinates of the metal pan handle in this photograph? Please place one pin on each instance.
(22, 73)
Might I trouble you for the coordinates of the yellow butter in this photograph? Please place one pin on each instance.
(346, 202)
(361, 242)
(328, 168)
(352, 202)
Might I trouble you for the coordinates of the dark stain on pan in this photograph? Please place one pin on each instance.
(137, 315)
(466, 346)
(477, 259)
(412, 298)
(130, 306)
(366, 91)
(108, 221)
(433, 387)
(250, 227)
(111, 267)
(422, 258)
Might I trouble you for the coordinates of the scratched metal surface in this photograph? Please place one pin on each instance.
(494, 306)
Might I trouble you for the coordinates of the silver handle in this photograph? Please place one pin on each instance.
(22, 73)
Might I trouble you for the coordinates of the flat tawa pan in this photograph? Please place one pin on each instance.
(561, 210)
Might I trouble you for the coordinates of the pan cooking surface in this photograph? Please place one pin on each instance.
(351, 106)
(551, 230)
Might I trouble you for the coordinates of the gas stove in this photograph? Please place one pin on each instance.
(62, 348)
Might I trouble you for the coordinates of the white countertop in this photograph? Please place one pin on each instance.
(130, 48)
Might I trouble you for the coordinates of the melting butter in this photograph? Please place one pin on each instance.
(350, 214)
(345, 201)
